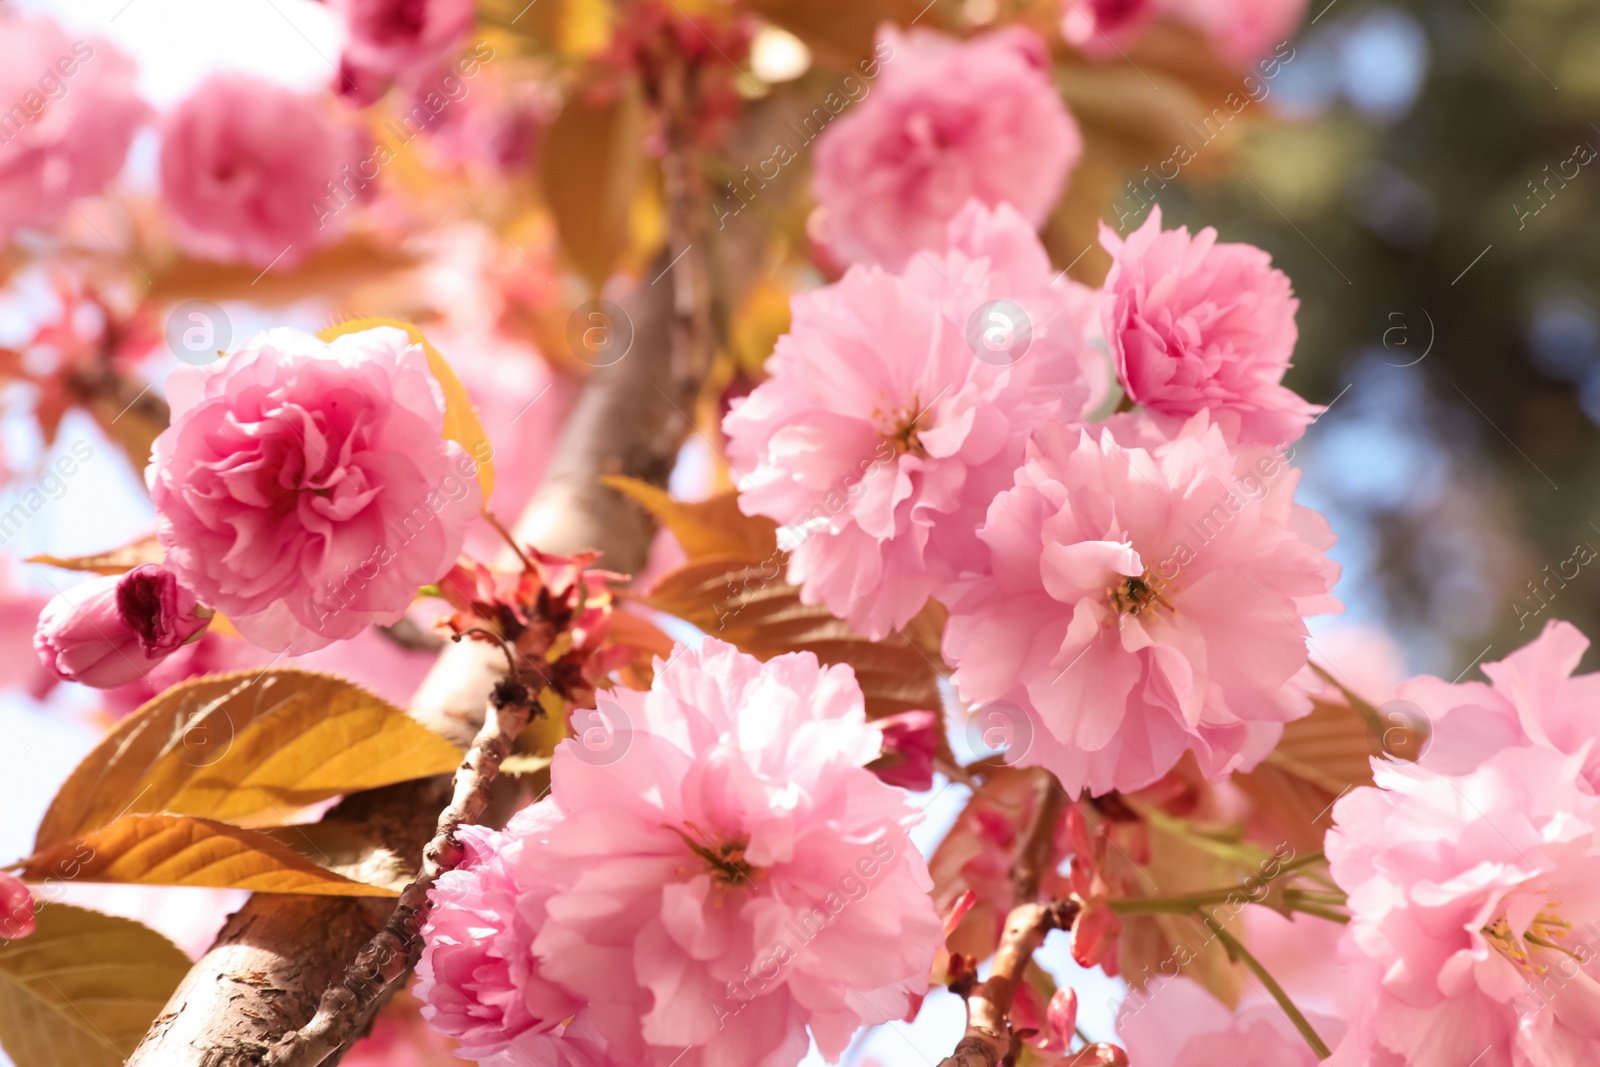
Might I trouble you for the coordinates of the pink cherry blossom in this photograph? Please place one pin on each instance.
(69, 114)
(304, 487)
(115, 629)
(1102, 28)
(1475, 914)
(16, 908)
(1194, 325)
(1144, 602)
(392, 39)
(1177, 1023)
(723, 877)
(884, 429)
(251, 172)
(1242, 30)
(479, 980)
(1532, 698)
(945, 121)
(737, 875)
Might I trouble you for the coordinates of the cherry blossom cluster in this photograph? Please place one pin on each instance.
(1137, 586)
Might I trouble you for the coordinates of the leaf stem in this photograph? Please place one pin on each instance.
(1238, 952)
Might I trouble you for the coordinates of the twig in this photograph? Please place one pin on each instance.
(988, 1040)
(411, 637)
(346, 1006)
(1038, 847)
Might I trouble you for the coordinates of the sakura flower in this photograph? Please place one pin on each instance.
(734, 877)
(478, 979)
(1532, 698)
(1142, 604)
(304, 487)
(882, 432)
(946, 121)
(72, 112)
(1177, 1023)
(1101, 28)
(1474, 930)
(1194, 325)
(398, 39)
(117, 628)
(738, 875)
(1243, 30)
(246, 172)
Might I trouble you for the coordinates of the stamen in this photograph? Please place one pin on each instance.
(1138, 595)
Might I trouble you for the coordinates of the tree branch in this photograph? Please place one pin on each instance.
(1037, 850)
(988, 1040)
(347, 1006)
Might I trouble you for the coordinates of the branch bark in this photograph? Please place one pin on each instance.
(266, 973)
(988, 1039)
(348, 1006)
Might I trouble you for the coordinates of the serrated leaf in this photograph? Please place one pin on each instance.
(590, 168)
(703, 527)
(749, 605)
(83, 988)
(1320, 758)
(461, 423)
(117, 561)
(184, 850)
(244, 745)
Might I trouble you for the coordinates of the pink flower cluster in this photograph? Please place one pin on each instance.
(1135, 589)
(1472, 875)
(724, 877)
(880, 436)
(304, 487)
(398, 40)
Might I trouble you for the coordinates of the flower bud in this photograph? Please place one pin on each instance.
(909, 744)
(113, 630)
(16, 908)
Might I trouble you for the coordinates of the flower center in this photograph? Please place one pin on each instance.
(724, 859)
(1134, 596)
(1543, 935)
(906, 424)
